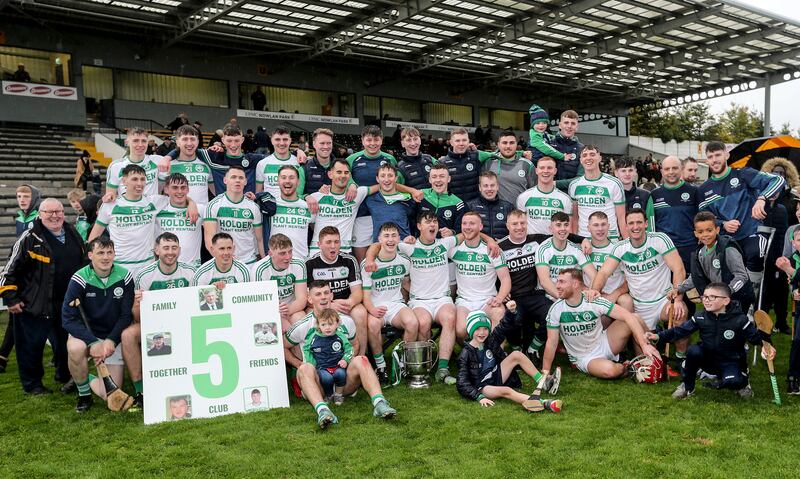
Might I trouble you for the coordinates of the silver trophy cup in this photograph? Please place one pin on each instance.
(418, 357)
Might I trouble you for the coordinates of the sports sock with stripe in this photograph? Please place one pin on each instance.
(83, 388)
(379, 361)
(320, 406)
(444, 363)
(377, 398)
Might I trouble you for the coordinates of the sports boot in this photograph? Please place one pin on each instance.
(681, 392)
(746, 392)
(325, 418)
(443, 375)
(84, 403)
(384, 410)
(793, 386)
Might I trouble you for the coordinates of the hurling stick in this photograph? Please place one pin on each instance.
(116, 399)
(670, 319)
(764, 323)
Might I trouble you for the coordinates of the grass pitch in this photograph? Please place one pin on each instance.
(607, 429)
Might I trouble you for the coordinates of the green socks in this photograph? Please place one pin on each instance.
(377, 398)
(321, 405)
(138, 385)
(537, 377)
(379, 361)
(83, 388)
(443, 363)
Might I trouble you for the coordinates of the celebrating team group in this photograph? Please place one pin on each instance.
(482, 248)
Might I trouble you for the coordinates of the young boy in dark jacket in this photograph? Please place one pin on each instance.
(486, 372)
(724, 329)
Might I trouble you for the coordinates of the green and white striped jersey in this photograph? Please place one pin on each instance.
(557, 260)
(150, 165)
(429, 271)
(267, 173)
(172, 219)
(287, 278)
(292, 218)
(385, 283)
(131, 225)
(152, 278)
(540, 206)
(476, 273)
(238, 219)
(602, 194)
(335, 211)
(649, 277)
(197, 172)
(579, 325)
(208, 273)
(598, 257)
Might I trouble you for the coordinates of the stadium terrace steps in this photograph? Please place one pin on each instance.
(43, 157)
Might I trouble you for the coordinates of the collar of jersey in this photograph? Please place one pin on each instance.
(164, 272)
(95, 280)
(680, 183)
(720, 178)
(598, 246)
(378, 258)
(575, 305)
(476, 246)
(228, 270)
(234, 202)
(596, 179)
(545, 192)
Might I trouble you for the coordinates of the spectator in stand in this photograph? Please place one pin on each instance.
(199, 127)
(261, 141)
(396, 136)
(791, 191)
(302, 143)
(179, 121)
(216, 137)
(85, 172)
(327, 108)
(488, 136)
(21, 74)
(166, 146)
(249, 144)
(151, 147)
(259, 99)
(522, 144)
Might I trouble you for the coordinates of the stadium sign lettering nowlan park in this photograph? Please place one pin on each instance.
(275, 115)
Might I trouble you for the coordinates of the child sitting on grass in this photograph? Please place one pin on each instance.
(327, 348)
(790, 267)
(485, 372)
(724, 328)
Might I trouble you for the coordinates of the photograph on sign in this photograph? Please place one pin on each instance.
(208, 352)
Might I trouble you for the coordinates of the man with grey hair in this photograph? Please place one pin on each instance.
(33, 285)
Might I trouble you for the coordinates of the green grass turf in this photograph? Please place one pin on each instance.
(607, 429)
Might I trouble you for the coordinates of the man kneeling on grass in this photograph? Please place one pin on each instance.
(485, 372)
(724, 328)
(106, 292)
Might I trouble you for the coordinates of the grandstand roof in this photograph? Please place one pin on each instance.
(582, 52)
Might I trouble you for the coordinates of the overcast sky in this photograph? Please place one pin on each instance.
(785, 98)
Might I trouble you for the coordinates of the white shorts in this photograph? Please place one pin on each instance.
(432, 306)
(116, 358)
(362, 232)
(602, 351)
(392, 309)
(650, 311)
(472, 305)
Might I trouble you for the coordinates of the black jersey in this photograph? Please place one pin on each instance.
(521, 261)
(341, 274)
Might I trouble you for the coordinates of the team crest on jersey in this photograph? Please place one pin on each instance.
(383, 162)
(336, 346)
(428, 168)
(245, 163)
(198, 168)
(489, 354)
(478, 257)
(521, 174)
(343, 271)
(448, 214)
(734, 182)
(728, 334)
(247, 213)
(684, 196)
(715, 263)
(118, 292)
(636, 205)
(499, 216)
(470, 167)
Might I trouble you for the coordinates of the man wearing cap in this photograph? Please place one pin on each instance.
(159, 347)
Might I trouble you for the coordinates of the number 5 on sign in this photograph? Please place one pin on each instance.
(203, 351)
(208, 352)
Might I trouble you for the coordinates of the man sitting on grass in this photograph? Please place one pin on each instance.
(724, 328)
(590, 348)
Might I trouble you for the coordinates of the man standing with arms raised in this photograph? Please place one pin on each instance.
(542, 201)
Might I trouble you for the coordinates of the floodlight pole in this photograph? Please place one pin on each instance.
(767, 103)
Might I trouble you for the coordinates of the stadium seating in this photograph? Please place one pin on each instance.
(41, 156)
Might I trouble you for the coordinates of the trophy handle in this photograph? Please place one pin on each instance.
(434, 354)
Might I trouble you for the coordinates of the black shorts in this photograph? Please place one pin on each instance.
(493, 379)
